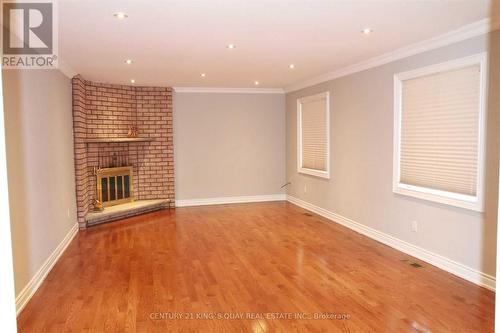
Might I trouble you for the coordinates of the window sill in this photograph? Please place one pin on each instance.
(447, 198)
(316, 173)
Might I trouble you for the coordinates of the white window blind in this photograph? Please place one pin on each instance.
(440, 132)
(313, 134)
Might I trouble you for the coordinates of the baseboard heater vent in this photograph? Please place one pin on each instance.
(413, 264)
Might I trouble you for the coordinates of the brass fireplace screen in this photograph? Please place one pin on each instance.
(114, 186)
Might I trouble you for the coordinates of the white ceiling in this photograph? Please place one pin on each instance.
(173, 41)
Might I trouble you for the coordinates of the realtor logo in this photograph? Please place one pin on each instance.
(29, 38)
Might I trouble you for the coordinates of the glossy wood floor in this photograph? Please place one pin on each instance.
(161, 271)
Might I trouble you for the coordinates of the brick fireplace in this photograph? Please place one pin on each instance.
(105, 117)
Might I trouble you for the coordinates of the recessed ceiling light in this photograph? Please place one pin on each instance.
(203, 74)
(128, 61)
(256, 83)
(291, 66)
(231, 46)
(132, 80)
(120, 15)
(367, 31)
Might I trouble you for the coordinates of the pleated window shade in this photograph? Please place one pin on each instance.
(314, 134)
(440, 130)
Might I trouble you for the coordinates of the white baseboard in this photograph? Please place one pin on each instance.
(29, 290)
(230, 200)
(437, 260)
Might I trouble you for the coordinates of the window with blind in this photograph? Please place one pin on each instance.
(439, 132)
(313, 133)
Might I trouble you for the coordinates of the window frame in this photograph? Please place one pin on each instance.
(313, 172)
(475, 203)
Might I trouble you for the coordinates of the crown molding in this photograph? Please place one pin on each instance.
(217, 90)
(66, 69)
(469, 31)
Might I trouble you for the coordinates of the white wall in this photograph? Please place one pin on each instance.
(40, 166)
(228, 144)
(360, 187)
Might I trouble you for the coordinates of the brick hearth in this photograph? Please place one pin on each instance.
(105, 111)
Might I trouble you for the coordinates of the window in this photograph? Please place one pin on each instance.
(313, 134)
(439, 124)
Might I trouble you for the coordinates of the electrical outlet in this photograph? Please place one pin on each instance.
(68, 214)
(305, 188)
(414, 226)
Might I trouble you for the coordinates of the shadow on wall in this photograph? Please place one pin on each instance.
(40, 166)
(16, 168)
(493, 144)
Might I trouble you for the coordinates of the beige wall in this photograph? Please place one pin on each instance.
(494, 104)
(360, 186)
(228, 144)
(40, 165)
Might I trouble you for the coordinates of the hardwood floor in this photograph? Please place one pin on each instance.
(160, 272)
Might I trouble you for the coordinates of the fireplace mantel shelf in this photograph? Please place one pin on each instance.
(117, 140)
